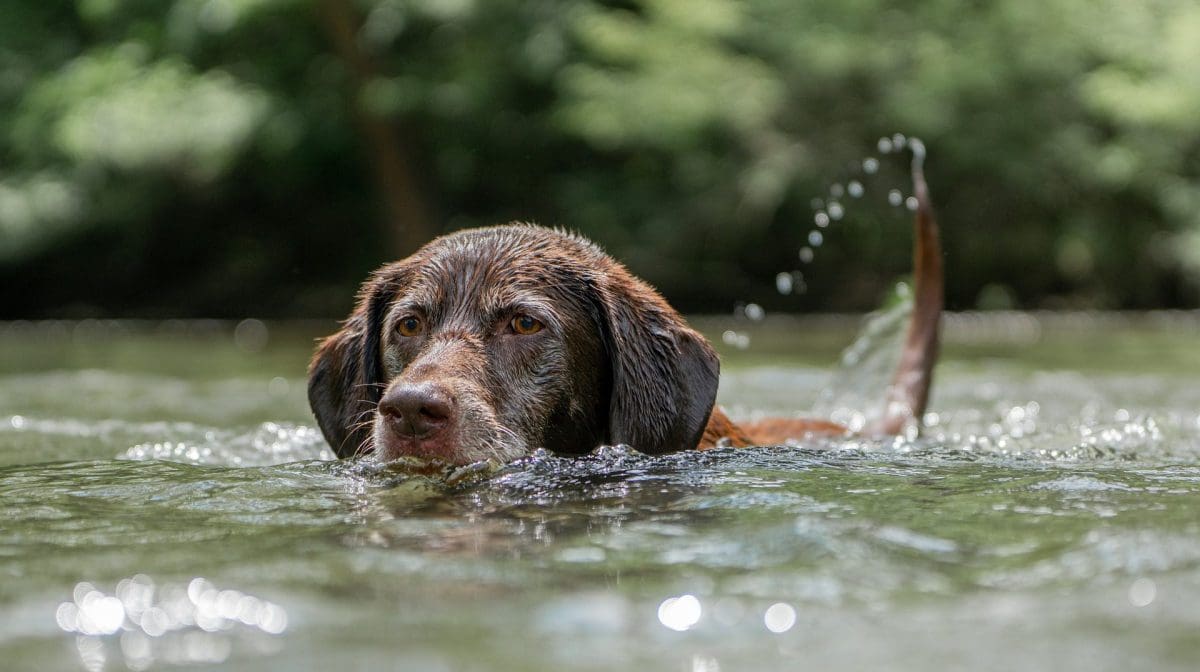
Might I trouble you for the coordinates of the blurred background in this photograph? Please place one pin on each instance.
(223, 158)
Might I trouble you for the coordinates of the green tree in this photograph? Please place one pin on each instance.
(218, 157)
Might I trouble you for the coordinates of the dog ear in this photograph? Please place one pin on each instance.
(346, 378)
(664, 374)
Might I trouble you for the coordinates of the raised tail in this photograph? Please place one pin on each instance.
(908, 392)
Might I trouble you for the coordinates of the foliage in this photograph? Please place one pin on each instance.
(219, 157)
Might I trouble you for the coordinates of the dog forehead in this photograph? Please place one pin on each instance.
(504, 265)
(517, 241)
(514, 251)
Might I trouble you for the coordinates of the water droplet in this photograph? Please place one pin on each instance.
(855, 188)
(755, 312)
(806, 254)
(911, 203)
(898, 141)
(783, 283)
(884, 145)
(870, 165)
(895, 197)
(821, 219)
(836, 211)
(837, 190)
(815, 238)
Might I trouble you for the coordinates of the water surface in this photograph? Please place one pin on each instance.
(167, 502)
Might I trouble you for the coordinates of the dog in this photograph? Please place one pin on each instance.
(487, 344)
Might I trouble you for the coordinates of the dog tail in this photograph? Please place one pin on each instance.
(908, 392)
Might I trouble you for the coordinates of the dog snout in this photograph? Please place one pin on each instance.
(417, 411)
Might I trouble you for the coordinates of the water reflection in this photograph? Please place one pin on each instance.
(680, 613)
(180, 624)
(269, 443)
(728, 544)
(779, 617)
(1040, 508)
(1142, 592)
(528, 507)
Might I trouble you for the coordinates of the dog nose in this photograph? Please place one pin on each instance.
(417, 411)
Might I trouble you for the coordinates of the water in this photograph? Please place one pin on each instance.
(167, 504)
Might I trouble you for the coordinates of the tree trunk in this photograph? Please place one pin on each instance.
(409, 224)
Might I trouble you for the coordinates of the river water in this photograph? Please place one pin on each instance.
(166, 502)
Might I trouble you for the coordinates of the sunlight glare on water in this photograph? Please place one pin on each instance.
(178, 624)
(680, 613)
(269, 443)
(779, 617)
(1045, 518)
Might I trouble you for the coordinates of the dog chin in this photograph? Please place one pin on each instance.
(452, 449)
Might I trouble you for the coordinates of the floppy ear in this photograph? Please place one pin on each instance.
(345, 377)
(664, 374)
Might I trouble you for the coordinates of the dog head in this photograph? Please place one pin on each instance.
(490, 343)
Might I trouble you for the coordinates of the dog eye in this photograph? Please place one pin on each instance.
(409, 326)
(525, 325)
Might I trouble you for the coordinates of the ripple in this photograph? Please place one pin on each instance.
(1039, 510)
(269, 443)
(1082, 484)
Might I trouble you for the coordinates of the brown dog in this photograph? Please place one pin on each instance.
(490, 343)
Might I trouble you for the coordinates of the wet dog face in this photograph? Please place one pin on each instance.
(490, 343)
(491, 348)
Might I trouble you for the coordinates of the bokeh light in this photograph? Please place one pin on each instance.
(175, 623)
(680, 613)
(779, 617)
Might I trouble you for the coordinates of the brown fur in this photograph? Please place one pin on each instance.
(613, 363)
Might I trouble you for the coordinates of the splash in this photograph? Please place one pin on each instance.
(267, 444)
(866, 366)
(833, 206)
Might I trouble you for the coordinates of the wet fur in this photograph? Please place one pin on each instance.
(614, 364)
